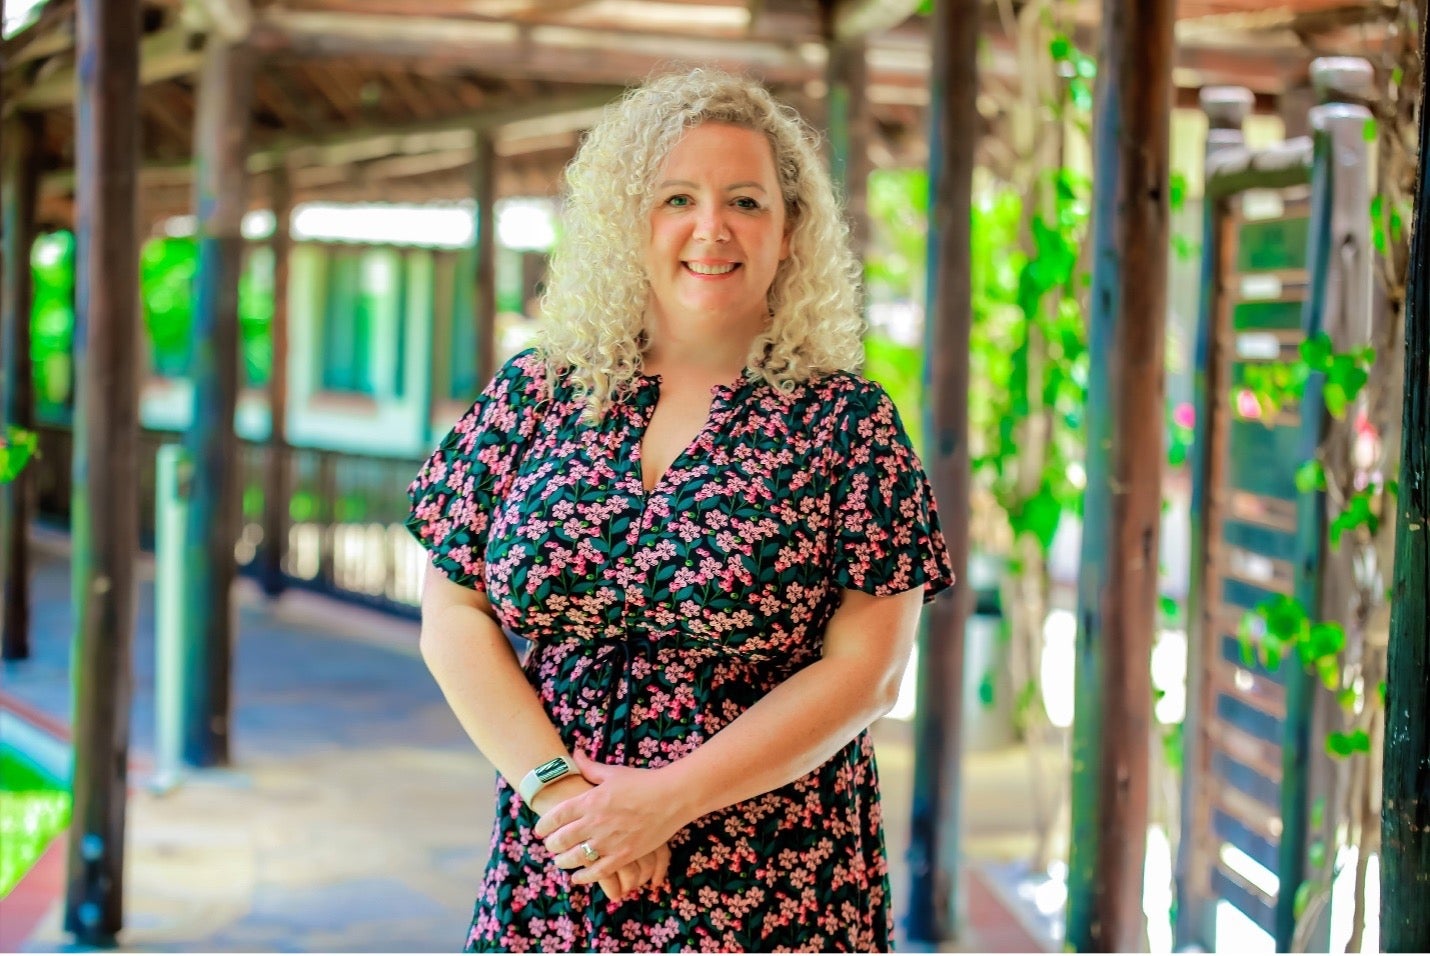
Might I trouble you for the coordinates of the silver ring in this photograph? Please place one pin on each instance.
(591, 855)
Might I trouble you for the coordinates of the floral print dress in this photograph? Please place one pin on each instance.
(657, 618)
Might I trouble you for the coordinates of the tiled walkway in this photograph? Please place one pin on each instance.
(355, 815)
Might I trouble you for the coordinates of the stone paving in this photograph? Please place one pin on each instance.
(356, 814)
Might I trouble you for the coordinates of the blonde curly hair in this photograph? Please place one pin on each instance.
(596, 294)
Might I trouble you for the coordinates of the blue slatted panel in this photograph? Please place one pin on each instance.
(1252, 904)
(1256, 554)
(1248, 781)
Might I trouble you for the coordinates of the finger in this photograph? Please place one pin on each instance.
(630, 879)
(576, 858)
(554, 819)
(598, 872)
(590, 769)
(569, 837)
(662, 864)
(611, 887)
(645, 868)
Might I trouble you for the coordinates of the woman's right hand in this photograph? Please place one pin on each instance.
(649, 869)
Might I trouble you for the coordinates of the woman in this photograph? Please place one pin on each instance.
(717, 538)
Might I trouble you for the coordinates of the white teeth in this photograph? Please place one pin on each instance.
(701, 268)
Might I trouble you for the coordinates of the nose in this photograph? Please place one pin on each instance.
(710, 225)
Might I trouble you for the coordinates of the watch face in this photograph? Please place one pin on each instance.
(550, 770)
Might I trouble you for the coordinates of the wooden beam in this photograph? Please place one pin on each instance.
(1405, 814)
(1117, 580)
(484, 295)
(512, 124)
(220, 200)
(849, 127)
(862, 18)
(17, 391)
(934, 858)
(162, 56)
(104, 529)
(229, 20)
(560, 53)
(276, 484)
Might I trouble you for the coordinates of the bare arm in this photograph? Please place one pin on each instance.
(482, 680)
(788, 733)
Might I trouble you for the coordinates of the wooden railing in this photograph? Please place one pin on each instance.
(345, 535)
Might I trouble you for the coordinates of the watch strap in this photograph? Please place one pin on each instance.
(543, 774)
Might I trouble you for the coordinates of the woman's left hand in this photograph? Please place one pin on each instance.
(627, 816)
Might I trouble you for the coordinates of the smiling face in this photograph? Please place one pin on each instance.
(717, 233)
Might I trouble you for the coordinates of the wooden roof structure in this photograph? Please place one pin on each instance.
(377, 99)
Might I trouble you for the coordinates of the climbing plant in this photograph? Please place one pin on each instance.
(17, 447)
(1344, 644)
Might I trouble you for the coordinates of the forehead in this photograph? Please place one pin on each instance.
(721, 146)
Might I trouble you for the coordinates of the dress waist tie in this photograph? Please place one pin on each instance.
(614, 669)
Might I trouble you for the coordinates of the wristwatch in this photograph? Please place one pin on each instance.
(543, 774)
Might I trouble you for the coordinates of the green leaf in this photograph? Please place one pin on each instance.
(1271, 652)
(1302, 899)
(1318, 813)
(1371, 130)
(1039, 516)
(1336, 400)
(1316, 351)
(1248, 650)
(1311, 476)
(1326, 639)
(1356, 514)
(1171, 610)
(1286, 618)
(1173, 748)
(1380, 689)
(1177, 190)
(16, 450)
(1339, 744)
(986, 690)
(1347, 699)
(1316, 854)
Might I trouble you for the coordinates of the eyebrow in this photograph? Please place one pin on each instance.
(748, 184)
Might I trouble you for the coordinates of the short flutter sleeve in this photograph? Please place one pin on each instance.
(886, 531)
(456, 488)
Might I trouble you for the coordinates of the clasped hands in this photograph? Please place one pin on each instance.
(617, 813)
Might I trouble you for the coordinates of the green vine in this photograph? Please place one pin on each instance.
(17, 447)
(1276, 385)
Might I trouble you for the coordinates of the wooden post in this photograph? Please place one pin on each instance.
(220, 188)
(1117, 582)
(17, 390)
(849, 125)
(276, 490)
(105, 519)
(484, 295)
(1405, 808)
(1226, 108)
(934, 856)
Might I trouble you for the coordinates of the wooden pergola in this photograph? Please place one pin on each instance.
(380, 99)
(215, 107)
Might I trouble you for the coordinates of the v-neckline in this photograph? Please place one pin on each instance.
(648, 388)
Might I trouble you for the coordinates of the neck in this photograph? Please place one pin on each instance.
(722, 360)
